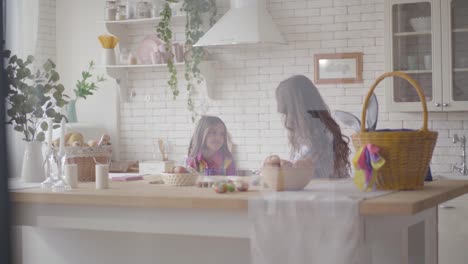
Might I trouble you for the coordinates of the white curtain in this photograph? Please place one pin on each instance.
(22, 20)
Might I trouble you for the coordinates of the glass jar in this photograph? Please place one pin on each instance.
(121, 12)
(124, 56)
(143, 10)
(110, 10)
(155, 10)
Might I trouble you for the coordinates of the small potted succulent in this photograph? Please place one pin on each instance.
(33, 96)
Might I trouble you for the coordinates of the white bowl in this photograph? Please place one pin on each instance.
(286, 179)
(421, 23)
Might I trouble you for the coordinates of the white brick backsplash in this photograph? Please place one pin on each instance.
(308, 12)
(347, 18)
(361, 9)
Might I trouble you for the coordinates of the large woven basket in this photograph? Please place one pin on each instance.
(86, 158)
(407, 153)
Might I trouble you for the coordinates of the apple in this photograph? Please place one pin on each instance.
(180, 169)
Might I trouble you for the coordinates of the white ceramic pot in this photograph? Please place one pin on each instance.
(108, 57)
(33, 169)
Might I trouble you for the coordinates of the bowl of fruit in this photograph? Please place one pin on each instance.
(283, 175)
(179, 176)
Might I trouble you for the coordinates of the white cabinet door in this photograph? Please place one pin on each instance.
(413, 46)
(453, 231)
(427, 39)
(455, 63)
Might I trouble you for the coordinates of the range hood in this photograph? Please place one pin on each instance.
(246, 22)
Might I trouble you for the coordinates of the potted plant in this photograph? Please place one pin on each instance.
(31, 98)
(84, 87)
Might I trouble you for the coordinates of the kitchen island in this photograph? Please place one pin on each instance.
(139, 222)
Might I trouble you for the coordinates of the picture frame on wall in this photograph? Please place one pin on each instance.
(333, 68)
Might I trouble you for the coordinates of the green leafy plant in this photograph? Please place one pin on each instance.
(32, 97)
(85, 87)
(194, 30)
(165, 33)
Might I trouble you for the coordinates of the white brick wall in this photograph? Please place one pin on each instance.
(248, 76)
(45, 45)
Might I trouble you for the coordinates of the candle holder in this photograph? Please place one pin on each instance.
(49, 164)
(61, 184)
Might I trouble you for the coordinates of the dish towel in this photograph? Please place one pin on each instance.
(319, 225)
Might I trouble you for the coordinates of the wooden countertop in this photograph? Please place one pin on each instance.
(143, 194)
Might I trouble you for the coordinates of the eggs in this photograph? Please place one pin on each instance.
(272, 161)
(276, 161)
(180, 169)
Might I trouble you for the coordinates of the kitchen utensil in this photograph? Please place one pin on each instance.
(347, 119)
(148, 45)
(162, 149)
(421, 23)
(285, 179)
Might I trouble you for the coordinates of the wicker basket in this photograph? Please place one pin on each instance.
(407, 153)
(86, 159)
(179, 179)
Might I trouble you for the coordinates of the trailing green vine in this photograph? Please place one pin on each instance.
(193, 32)
(165, 33)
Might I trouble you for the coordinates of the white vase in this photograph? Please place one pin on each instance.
(33, 169)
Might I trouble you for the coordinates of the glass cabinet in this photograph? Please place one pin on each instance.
(429, 41)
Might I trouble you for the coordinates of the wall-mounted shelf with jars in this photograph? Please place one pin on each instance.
(427, 39)
(122, 28)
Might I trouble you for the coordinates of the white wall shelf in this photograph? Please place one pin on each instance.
(418, 72)
(120, 74)
(120, 29)
(460, 30)
(141, 21)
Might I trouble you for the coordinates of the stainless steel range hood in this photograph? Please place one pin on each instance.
(246, 22)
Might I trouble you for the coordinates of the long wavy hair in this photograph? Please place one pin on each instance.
(197, 143)
(309, 122)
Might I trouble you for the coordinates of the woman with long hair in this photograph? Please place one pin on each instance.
(315, 138)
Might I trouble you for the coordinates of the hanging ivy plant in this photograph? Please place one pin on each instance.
(194, 30)
(165, 33)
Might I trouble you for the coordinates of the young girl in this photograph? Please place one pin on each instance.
(315, 138)
(208, 151)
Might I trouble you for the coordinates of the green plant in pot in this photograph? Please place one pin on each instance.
(84, 88)
(32, 96)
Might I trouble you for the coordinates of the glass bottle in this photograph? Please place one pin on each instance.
(143, 10)
(121, 12)
(110, 10)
